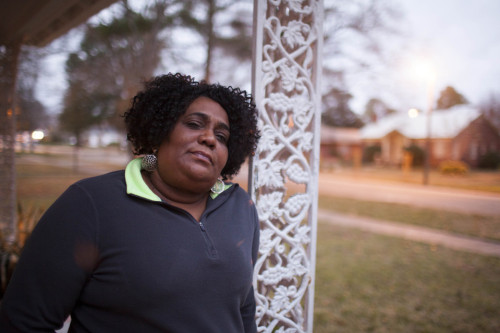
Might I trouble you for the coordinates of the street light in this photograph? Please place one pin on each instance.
(425, 71)
(37, 135)
(413, 113)
(430, 101)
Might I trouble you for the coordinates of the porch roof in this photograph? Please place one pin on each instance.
(38, 22)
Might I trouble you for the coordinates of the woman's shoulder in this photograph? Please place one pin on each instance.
(236, 189)
(110, 176)
(239, 194)
(102, 182)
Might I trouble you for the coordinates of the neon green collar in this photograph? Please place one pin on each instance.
(138, 187)
(135, 184)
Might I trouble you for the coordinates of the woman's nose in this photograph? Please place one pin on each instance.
(208, 138)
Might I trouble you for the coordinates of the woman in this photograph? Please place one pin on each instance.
(162, 246)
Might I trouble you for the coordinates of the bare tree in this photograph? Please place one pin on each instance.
(31, 113)
(375, 109)
(337, 112)
(114, 58)
(450, 97)
(225, 27)
(354, 34)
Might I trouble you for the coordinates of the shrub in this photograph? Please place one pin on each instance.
(453, 167)
(417, 153)
(490, 160)
(370, 152)
(10, 249)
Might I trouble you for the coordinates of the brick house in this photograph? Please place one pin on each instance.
(477, 139)
(459, 133)
(340, 145)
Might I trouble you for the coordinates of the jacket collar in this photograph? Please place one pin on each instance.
(137, 186)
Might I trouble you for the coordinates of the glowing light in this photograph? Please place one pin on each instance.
(413, 113)
(423, 70)
(37, 135)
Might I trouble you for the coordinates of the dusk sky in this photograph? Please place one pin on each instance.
(461, 38)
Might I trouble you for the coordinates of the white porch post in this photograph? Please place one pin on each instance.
(283, 179)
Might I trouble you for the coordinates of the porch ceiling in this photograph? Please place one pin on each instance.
(38, 22)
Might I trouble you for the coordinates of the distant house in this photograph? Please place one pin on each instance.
(340, 144)
(459, 133)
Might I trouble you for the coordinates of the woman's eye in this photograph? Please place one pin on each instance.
(194, 124)
(222, 138)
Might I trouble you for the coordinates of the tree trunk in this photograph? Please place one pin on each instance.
(76, 154)
(210, 38)
(8, 70)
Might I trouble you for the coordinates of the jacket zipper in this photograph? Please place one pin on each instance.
(212, 251)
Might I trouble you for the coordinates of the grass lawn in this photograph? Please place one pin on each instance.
(372, 283)
(487, 227)
(40, 185)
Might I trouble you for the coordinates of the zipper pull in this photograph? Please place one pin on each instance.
(202, 226)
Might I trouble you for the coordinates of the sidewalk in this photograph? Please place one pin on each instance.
(415, 233)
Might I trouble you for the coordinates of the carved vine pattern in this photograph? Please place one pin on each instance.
(282, 166)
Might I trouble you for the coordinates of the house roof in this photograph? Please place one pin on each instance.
(444, 124)
(343, 135)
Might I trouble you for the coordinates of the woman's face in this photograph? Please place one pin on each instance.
(195, 153)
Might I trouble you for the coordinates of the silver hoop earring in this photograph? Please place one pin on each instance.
(149, 163)
(218, 186)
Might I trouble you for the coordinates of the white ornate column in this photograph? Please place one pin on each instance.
(284, 172)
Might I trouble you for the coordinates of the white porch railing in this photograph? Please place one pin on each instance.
(283, 178)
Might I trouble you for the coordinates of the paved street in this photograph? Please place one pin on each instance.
(449, 199)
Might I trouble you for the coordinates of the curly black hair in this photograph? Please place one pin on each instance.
(155, 110)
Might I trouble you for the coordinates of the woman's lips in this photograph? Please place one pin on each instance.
(203, 156)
